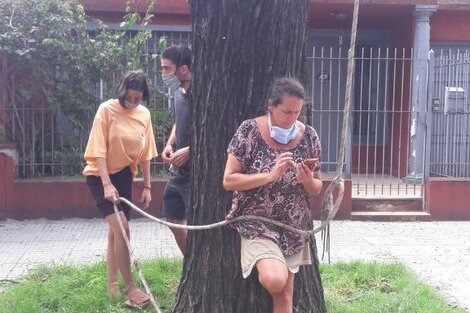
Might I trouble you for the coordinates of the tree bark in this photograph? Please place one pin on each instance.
(238, 46)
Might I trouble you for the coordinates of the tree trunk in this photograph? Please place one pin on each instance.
(238, 46)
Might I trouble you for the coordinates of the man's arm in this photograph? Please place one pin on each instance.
(168, 150)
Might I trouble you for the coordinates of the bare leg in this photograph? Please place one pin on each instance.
(278, 281)
(113, 271)
(122, 258)
(179, 234)
(283, 301)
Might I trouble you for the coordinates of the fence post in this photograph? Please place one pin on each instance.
(429, 116)
(348, 144)
(3, 199)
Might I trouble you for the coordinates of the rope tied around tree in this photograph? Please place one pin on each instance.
(330, 206)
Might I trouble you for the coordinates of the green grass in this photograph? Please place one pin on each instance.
(83, 289)
(386, 288)
(349, 288)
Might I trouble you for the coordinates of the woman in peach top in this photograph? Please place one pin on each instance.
(121, 139)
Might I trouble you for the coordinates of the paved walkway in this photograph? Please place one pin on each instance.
(439, 252)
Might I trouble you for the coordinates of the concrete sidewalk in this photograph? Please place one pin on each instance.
(438, 252)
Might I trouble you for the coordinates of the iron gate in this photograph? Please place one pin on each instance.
(378, 143)
(449, 114)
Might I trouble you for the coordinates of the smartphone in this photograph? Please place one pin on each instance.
(310, 162)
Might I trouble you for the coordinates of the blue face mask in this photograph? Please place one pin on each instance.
(282, 135)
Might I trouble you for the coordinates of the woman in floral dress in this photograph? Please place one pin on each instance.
(267, 170)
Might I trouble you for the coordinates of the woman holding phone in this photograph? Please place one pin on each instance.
(273, 168)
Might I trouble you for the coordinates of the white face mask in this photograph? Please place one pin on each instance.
(282, 135)
(130, 105)
(171, 81)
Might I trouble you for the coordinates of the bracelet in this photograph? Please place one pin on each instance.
(148, 187)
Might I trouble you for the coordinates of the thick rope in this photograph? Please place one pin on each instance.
(304, 233)
(338, 183)
(135, 262)
(325, 235)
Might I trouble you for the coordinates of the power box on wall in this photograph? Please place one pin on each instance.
(454, 100)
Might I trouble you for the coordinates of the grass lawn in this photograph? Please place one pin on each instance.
(349, 288)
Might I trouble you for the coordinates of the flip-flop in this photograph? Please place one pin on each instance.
(133, 305)
(136, 305)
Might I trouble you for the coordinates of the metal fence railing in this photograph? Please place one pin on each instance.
(377, 157)
(378, 144)
(450, 114)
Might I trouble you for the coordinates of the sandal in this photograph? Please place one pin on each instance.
(138, 302)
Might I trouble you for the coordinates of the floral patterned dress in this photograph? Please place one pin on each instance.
(284, 200)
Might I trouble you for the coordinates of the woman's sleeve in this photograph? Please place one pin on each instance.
(242, 142)
(97, 141)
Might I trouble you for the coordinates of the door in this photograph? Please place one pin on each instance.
(328, 67)
(379, 109)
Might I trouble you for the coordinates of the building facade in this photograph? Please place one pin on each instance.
(409, 135)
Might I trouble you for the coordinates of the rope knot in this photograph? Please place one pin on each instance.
(330, 206)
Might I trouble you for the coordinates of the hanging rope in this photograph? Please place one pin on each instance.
(135, 262)
(338, 180)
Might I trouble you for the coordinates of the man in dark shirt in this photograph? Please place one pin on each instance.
(176, 63)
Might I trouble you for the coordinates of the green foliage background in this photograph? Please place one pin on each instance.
(54, 60)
